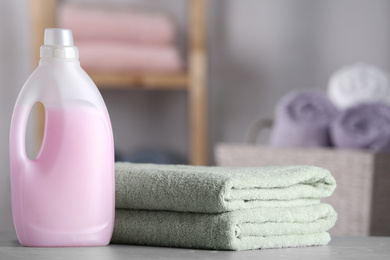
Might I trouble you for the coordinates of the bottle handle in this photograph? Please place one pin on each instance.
(18, 130)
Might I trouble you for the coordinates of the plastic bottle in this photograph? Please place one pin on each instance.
(65, 196)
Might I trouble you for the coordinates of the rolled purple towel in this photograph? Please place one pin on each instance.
(302, 120)
(365, 126)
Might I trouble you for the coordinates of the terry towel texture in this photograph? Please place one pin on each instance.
(222, 208)
(234, 230)
(302, 119)
(218, 189)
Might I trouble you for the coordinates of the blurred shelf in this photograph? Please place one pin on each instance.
(194, 80)
(104, 80)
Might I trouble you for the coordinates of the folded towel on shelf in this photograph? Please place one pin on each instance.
(120, 57)
(117, 24)
(235, 230)
(302, 119)
(218, 189)
(357, 84)
(366, 126)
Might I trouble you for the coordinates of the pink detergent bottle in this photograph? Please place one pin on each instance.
(65, 196)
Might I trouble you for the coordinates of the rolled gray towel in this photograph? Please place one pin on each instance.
(366, 126)
(302, 120)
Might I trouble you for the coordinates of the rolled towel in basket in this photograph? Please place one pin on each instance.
(218, 189)
(302, 119)
(357, 84)
(117, 24)
(366, 126)
(235, 230)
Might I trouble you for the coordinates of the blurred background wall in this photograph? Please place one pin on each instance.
(258, 51)
(14, 70)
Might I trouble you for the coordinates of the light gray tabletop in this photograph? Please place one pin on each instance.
(371, 248)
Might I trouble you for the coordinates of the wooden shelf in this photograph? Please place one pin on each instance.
(104, 80)
(194, 80)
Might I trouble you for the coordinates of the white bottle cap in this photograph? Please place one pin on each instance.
(58, 43)
(55, 36)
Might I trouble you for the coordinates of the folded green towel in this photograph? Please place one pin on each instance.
(218, 189)
(235, 230)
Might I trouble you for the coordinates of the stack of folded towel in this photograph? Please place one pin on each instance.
(222, 208)
(122, 39)
(355, 114)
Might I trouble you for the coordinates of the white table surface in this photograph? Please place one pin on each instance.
(368, 248)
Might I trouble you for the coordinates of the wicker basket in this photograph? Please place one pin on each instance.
(362, 196)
